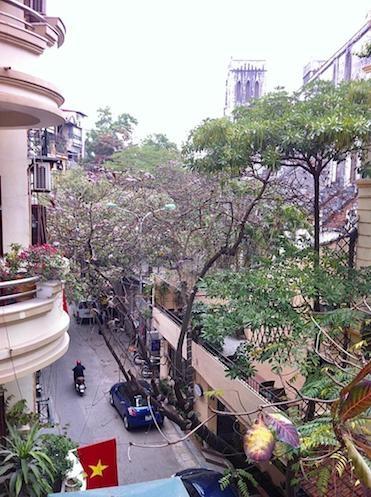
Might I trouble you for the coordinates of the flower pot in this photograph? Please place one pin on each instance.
(72, 485)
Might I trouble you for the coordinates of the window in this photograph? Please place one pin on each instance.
(190, 489)
(238, 92)
(257, 95)
(38, 5)
(140, 401)
(248, 90)
(38, 225)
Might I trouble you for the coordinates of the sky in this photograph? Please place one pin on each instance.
(165, 61)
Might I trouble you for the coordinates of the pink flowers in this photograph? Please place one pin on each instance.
(44, 260)
(38, 251)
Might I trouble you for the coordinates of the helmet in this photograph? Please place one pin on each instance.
(78, 363)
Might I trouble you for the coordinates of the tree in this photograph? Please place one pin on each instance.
(273, 300)
(153, 151)
(286, 292)
(306, 131)
(109, 135)
(159, 140)
(108, 224)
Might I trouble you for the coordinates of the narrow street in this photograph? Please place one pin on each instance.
(91, 418)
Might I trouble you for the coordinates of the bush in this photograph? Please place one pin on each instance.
(56, 447)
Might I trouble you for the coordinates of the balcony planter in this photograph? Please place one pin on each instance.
(43, 261)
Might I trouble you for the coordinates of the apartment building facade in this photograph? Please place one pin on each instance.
(345, 64)
(33, 324)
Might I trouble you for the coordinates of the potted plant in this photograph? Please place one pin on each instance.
(14, 267)
(72, 484)
(57, 448)
(45, 261)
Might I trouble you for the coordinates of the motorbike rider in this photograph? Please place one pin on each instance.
(78, 370)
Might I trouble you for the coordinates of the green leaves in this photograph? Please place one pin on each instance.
(26, 470)
(322, 122)
(241, 478)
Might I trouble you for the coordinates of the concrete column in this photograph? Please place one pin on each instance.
(15, 197)
(164, 361)
(364, 228)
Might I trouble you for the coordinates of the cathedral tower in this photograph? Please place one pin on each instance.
(245, 81)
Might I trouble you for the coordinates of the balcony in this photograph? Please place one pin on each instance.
(33, 326)
(22, 26)
(211, 367)
(26, 101)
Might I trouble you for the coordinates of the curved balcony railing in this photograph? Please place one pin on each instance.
(31, 18)
(19, 290)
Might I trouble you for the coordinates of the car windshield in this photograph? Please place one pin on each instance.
(190, 489)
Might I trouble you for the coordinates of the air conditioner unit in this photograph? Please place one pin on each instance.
(41, 177)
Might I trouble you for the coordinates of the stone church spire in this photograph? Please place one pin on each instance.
(245, 81)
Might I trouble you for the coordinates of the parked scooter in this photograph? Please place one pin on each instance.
(80, 386)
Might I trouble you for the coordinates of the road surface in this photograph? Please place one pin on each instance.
(91, 418)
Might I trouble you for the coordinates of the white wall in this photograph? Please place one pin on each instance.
(14, 188)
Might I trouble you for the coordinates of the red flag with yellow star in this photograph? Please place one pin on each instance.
(100, 464)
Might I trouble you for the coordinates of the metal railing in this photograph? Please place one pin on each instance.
(257, 386)
(176, 319)
(19, 290)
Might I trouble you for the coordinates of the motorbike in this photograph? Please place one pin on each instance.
(80, 386)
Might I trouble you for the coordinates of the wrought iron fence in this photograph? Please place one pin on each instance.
(43, 411)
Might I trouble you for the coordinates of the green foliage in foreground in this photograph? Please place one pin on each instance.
(56, 447)
(240, 478)
(26, 470)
